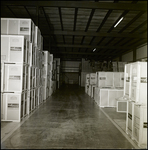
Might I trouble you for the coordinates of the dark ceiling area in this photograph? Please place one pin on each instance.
(71, 30)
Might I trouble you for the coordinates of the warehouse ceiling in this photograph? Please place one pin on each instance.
(73, 30)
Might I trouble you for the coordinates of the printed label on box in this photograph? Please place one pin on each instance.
(24, 29)
(144, 124)
(16, 48)
(143, 79)
(129, 116)
(127, 79)
(102, 78)
(13, 105)
(15, 77)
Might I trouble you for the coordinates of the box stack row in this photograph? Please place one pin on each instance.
(118, 66)
(57, 72)
(105, 87)
(21, 65)
(135, 96)
(47, 68)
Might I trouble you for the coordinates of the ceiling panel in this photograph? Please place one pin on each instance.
(75, 28)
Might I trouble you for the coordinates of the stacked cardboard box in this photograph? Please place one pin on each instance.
(135, 92)
(21, 58)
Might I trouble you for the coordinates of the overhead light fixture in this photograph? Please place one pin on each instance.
(118, 22)
(94, 49)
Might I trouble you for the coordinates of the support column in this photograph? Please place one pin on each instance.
(120, 58)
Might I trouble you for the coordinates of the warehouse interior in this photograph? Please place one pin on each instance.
(68, 50)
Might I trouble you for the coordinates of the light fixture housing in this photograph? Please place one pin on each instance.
(118, 22)
(94, 49)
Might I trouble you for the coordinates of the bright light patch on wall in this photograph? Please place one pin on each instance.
(118, 22)
(94, 49)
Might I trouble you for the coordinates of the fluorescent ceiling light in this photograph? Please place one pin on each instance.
(118, 22)
(94, 49)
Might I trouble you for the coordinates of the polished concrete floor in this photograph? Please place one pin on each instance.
(69, 119)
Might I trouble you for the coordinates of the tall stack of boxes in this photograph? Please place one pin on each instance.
(135, 92)
(57, 72)
(47, 74)
(52, 86)
(105, 87)
(109, 86)
(21, 68)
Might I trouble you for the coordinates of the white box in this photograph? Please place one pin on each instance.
(57, 61)
(139, 82)
(45, 81)
(58, 77)
(89, 90)
(37, 39)
(45, 57)
(83, 79)
(25, 94)
(51, 58)
(50, 66)
(87, 78)
(14, 78)
(19, 26)
(97, 95)
(86, 88)
(58, 69)
(121, 66)
(14, 49)
(3, 117)
(45, 70)
(105, 79)
(2, 76)
(29, 100)
(118, 78)
(129, 118)
(12, 104)
(115, 68)
(41, 43)
(121, 105)
(108, 97)
(92, 78)
(127, 80)
(140, 125)
(33, 99)
(40, 95)
(29, 78)
(93, 91)
(45, 92)
(30, 54)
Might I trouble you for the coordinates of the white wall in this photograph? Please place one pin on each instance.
(127, 57)
(141, 52)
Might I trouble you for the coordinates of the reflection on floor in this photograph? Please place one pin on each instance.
(69, 119)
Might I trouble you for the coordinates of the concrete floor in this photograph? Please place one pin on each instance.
(69, 119)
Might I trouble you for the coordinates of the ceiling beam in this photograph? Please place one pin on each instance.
(140, 26)
(12, 12)
(89, 46)
(89, 33)
(79, 4)
(104, 20)
(132, 21)
(80, 53)
(75, 19)
(90, 18)
(60, 14)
